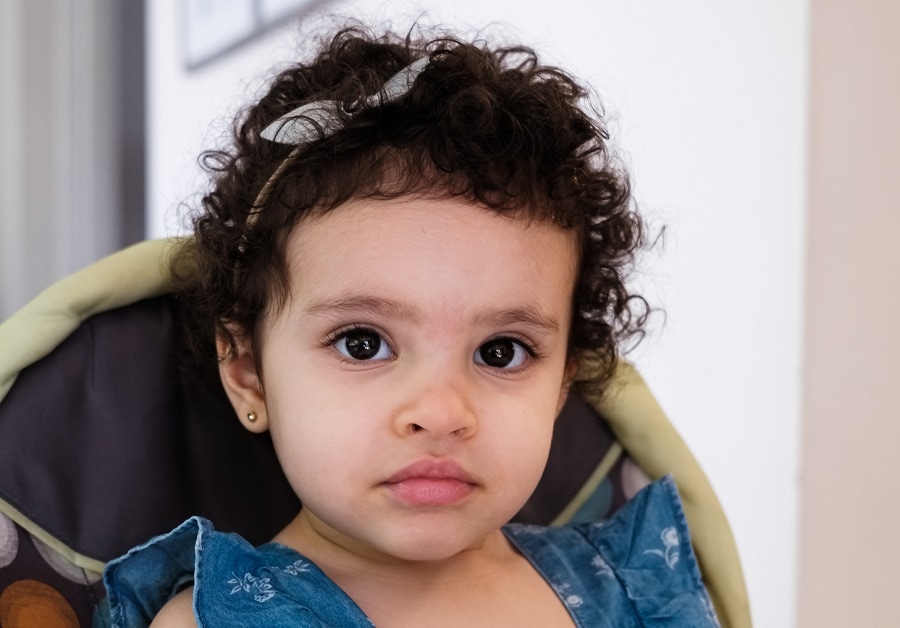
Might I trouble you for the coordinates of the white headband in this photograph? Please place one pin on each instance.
(319, 119)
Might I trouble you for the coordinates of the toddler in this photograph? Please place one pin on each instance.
(408, 252)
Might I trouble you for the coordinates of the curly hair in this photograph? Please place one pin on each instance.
(492, 125)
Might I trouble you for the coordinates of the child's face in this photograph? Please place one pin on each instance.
(413, 377)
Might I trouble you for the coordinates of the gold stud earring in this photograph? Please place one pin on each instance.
(251, 416)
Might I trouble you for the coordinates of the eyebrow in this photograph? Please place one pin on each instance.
(528, 315)
(389, 308)
(354, 303)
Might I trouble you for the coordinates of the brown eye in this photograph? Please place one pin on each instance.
(501, 353)
(363, 344)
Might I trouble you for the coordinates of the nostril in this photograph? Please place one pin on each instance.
(415, 428)
(454, 434)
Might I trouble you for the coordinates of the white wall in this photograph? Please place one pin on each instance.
(708, 102)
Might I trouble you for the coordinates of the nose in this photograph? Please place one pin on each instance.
(439, 408)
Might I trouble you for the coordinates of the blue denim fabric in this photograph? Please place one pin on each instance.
(635, 569)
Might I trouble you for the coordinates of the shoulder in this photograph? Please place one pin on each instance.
(647, 545)
(140, 584)
(640, 558)
(653, 521)
(229, 583)
(177, 612)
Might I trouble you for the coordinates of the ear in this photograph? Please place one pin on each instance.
(242, 383)
(568, 378)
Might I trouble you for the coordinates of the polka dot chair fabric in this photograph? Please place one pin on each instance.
(40, 587)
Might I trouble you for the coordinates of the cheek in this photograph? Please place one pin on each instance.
(522, 458)
(523, 438)
(317, 461)
(310, 426)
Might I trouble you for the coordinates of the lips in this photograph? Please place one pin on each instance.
(430, 483)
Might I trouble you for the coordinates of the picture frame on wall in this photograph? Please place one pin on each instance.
(213, 28)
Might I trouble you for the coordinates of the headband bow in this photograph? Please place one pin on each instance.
(319, 119)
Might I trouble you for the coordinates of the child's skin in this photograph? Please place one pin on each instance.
(410, 383)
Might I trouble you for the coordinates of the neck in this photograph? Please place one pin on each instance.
(334, 553)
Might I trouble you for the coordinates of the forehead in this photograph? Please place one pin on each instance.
(434, 251)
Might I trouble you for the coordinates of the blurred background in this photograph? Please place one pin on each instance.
(762, 136)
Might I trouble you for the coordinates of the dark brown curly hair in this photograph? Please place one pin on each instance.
(490, 124)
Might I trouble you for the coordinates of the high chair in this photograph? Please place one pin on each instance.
(105, 443)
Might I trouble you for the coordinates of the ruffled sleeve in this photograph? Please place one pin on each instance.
(235, 584)
(140, 583)
(635, 569)
(647, 545)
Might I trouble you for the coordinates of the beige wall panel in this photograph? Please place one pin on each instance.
(849, 548)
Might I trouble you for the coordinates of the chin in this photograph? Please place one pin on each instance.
(432, 545)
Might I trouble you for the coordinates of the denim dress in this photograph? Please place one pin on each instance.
(635, 569)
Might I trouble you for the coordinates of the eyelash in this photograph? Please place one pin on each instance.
(530, 349)
(331, 339)
(533, 353)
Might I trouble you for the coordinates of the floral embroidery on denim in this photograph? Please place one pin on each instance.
(571, 600)
(669, 538)
(602, 567)
(261, 588)
(299, 566)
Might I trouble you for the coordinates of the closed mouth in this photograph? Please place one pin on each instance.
(430, 482)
